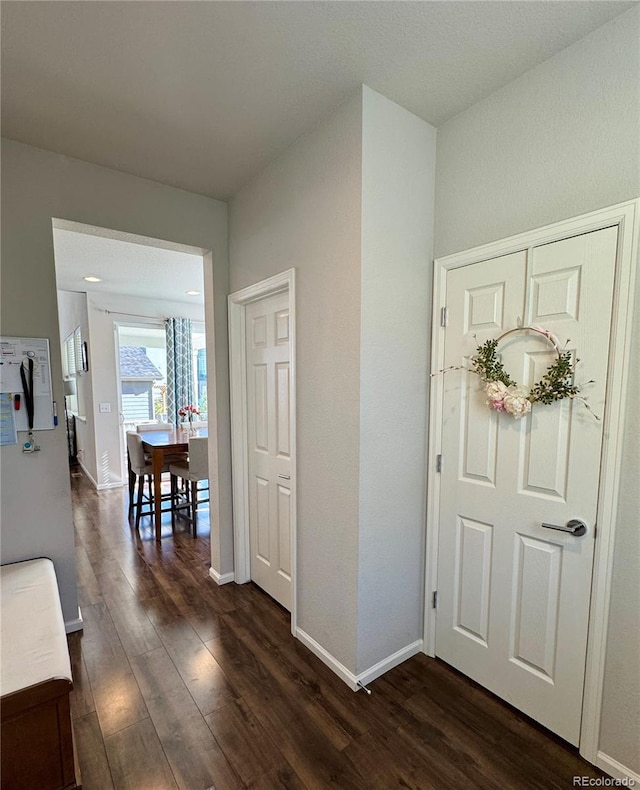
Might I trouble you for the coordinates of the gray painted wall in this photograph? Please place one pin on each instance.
(36, 187)
(560, 141)
(346, 206)
(303, 211)
(398, 179)
(620, 733)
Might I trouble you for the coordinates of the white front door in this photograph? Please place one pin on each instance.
(513, 595)
(267, 332)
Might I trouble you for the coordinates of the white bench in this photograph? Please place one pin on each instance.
(35, 680)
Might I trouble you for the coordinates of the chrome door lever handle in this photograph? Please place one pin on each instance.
(573, 527)
(284, 477)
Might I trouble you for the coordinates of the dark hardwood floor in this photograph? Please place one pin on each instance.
(181, 683)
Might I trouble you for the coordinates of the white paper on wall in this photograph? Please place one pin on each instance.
(14, 351)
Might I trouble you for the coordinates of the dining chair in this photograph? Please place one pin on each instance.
(194, 471)
(140, 467)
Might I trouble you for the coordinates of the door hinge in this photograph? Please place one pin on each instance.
(438, 463)
(444, 316)
(434, 599)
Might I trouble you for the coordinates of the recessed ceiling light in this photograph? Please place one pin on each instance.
(192, 293)
(91, 278)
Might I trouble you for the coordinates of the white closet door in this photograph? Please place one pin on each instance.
(269, 439)
(513, 595)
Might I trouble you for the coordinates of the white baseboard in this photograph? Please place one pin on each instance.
(104, 486)
(390, 662)
(77, 624)
(221, 578)
(354, 681)
(340, 670)
(88, 475)
(617, 770)
(94, 482)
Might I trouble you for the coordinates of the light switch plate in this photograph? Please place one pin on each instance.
(105, 408)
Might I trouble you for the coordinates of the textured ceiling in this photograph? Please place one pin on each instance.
(202, 95)
(126, 268)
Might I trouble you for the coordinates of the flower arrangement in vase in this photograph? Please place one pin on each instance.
(188, 412)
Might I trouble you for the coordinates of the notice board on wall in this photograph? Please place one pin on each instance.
(14, 353)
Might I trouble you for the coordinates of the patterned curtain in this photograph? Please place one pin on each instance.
(179, 366)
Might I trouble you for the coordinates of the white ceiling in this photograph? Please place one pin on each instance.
(126, 268)
(202, 95)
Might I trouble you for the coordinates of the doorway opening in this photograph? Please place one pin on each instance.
(105, 280)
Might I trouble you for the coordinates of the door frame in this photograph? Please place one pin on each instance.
(626, 216)
(283, 282)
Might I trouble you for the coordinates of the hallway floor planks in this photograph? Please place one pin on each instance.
(179, 683)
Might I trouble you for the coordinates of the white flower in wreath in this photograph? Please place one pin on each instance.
(496, 391)
(516, 401)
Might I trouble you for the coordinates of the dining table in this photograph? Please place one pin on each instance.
(161, 444)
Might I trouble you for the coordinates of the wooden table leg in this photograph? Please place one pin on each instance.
(157, 457)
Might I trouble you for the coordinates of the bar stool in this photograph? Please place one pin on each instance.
(139, 468)
(193, 472)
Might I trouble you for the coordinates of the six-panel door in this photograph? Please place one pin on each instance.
(513, 595)
(269, 444)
